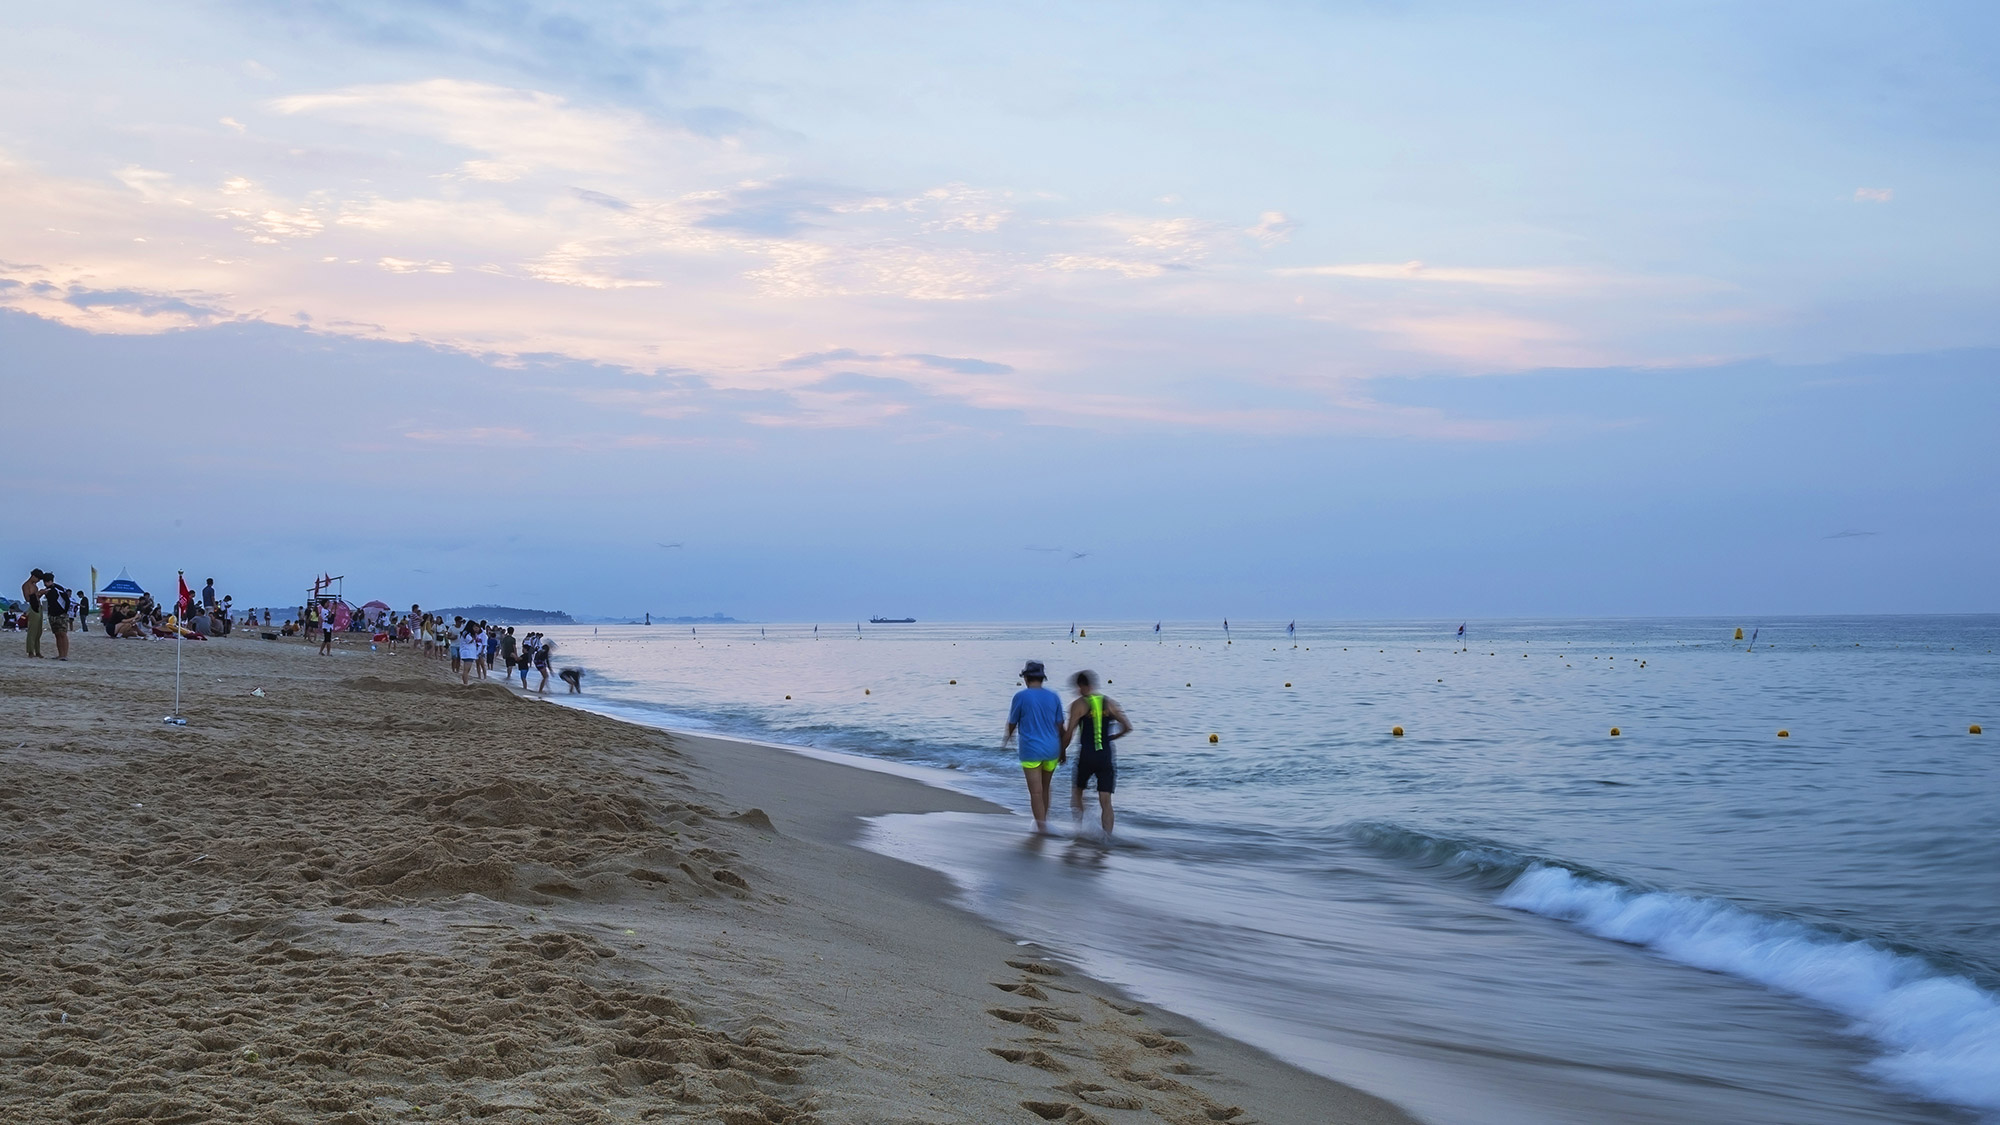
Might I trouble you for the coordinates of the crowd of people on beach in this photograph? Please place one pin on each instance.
(474, 647)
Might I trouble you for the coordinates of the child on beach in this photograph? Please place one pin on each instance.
(1036, 714)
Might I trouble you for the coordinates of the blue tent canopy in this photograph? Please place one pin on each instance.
(122, 587)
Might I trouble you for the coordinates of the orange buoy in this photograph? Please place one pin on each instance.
(1288, 683)
(868, 691)
(1215, 738)
(954, 681)
(1614, 732)
(788, 697)
(1396, 731)
(1784, 734)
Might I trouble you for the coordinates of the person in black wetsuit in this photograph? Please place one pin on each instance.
(1096, 723)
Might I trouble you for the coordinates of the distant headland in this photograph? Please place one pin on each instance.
(508, 615)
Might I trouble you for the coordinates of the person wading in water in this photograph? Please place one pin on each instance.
(1096, 723)
(1037, 715)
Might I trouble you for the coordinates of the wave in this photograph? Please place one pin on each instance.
(1939, 1034)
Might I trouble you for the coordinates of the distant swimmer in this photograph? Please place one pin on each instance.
(1096, 723)
(1037, 714)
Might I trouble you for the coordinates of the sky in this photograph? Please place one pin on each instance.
(1025, 311)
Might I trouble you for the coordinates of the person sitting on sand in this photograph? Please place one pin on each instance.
(1037, 715)
(1090, 723)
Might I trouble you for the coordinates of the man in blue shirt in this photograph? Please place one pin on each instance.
(1037, 714)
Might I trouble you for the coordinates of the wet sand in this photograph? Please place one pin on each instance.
(371, 895)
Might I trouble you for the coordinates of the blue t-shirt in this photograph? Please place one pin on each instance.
(1038, 714)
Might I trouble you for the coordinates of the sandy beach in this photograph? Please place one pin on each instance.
(371, 895)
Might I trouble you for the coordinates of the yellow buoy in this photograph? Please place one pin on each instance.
(1614, 732)
(788, 697)
(1083, 632)
(1215, 738)
(954, 681)
(1974, 729)
(1784, 734)
(1739, 634)
(1288, 683)
(1397, 731)
(867, 691)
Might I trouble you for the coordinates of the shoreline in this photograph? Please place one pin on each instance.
(692, 906)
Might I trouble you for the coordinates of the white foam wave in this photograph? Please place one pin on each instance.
(1940, 1034)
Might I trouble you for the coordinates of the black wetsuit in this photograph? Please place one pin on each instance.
(1097, 754)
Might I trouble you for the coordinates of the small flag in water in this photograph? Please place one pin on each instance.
(1461, 631)
(1292, 630)
(1156, 627)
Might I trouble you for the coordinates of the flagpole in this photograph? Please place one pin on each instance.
(180, 624)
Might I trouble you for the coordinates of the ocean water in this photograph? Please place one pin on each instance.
(1505, 915)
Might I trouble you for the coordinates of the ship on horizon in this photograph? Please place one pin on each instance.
(892, 621)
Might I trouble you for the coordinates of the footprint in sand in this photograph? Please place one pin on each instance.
(1037, 1058)
(1032, 1019)
(1064, 1112)
(1160, 1043)
(1103, 1096)
(1022, 989)
(1035, 967)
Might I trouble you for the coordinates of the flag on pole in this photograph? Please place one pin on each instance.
(1461, 631)
(186, 601)
(1292, 630)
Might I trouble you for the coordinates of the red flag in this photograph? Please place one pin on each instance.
(187, 596)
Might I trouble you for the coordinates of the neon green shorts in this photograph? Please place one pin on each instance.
(1048, 764)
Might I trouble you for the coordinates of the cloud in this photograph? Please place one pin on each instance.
(142, 304)
(519, 131)
(1498, 278)
(955, 364)
(404, 265)
(616, 48)
(1852, 534)
(473, 435)
(1273, 227)
(777, 209)
(963, 366)
(1874, 194)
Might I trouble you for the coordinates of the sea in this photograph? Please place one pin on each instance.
(1773, 895)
